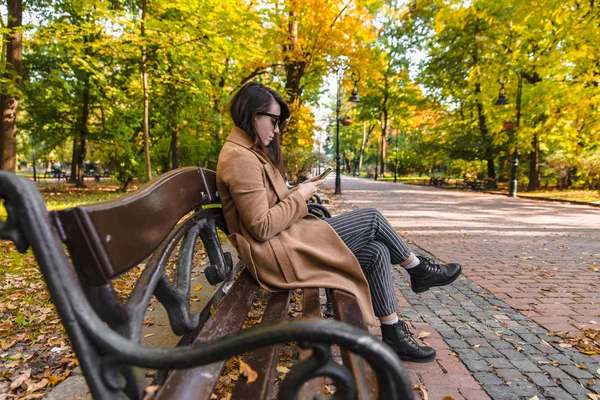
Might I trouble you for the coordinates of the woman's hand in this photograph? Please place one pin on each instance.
(309, 187)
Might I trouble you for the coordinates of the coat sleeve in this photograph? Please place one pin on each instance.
(250, 198)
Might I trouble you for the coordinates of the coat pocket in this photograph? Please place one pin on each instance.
(287, 270)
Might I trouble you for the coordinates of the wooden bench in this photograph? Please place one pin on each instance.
(173, 216)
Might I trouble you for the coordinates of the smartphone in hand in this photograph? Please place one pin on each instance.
(325, 173)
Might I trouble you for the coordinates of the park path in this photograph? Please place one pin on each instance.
(530, 268)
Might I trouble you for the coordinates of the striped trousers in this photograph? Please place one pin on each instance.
(377, 246)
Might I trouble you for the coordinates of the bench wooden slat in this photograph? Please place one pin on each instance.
(311, 309)
(108, 238)
(198, 383)
(264, 360)
(346, 309)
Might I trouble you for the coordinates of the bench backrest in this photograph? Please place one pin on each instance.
(109, 238)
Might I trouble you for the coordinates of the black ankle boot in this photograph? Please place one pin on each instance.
(428, 274)
(399, 338)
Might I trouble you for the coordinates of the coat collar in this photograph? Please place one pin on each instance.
(239, 137)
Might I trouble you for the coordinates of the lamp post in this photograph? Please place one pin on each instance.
(353, 99)
(513, 126)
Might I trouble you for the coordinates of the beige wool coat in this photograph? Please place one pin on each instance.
(281, 244)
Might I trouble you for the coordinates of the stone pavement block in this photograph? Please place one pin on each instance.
(557, 393)
(474, 394)
(576, 372)
(555, 373)
(510, 374)
(449, 380)
(453, 367)
(574, 387)
(458, 344)
(525, 389)
(475, 365)
(541, 379)
(487, 378)
(500, 392)
(499, 362)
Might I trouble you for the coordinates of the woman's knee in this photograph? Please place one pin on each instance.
(376, 253)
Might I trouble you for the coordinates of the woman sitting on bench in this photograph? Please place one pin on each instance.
(285, 247)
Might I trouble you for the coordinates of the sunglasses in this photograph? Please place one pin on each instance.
(274, 118)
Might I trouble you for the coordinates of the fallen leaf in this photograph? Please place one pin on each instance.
(149, 391)
(598, 371)
(580, 366)
(149, 335)
(565, 345)
(149, 320)
(553, 363)
(234, 377)
(520, 349)
(422, 390)
(250, 374)
(33, 387)
(282, 369)
(476, 346)
(593, 396)
(534, 398)
(197, 288)
(423, 334)
(19, 380)
(6, 346)
(591, 382)
(447, 398)
(54, 380)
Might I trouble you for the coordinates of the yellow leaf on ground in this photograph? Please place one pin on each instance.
(422, 391)
(447, 398)
(197, 288)
(282, 369)
(54, 380)
(580, 366)
(423, 334)
(250, 374)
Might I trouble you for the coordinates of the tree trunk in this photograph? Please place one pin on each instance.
(145, 89)
(74, 161)
(9, 100)
(487, 141)
(362, 147)
(174, 137)
(534, 165)
(294, 69)
(83, 132)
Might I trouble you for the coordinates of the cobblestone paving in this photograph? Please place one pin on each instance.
(529, 270)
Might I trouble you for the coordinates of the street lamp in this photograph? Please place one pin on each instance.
(354, 99)
(512, 127)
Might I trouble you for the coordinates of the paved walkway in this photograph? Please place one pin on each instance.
(530, 269)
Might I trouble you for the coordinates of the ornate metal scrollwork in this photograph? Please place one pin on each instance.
(318, 364)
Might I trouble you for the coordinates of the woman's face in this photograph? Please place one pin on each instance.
(267, 123)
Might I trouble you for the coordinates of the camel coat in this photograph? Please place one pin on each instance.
(281, 244)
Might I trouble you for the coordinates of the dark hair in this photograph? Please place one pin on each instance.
(254, 98)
